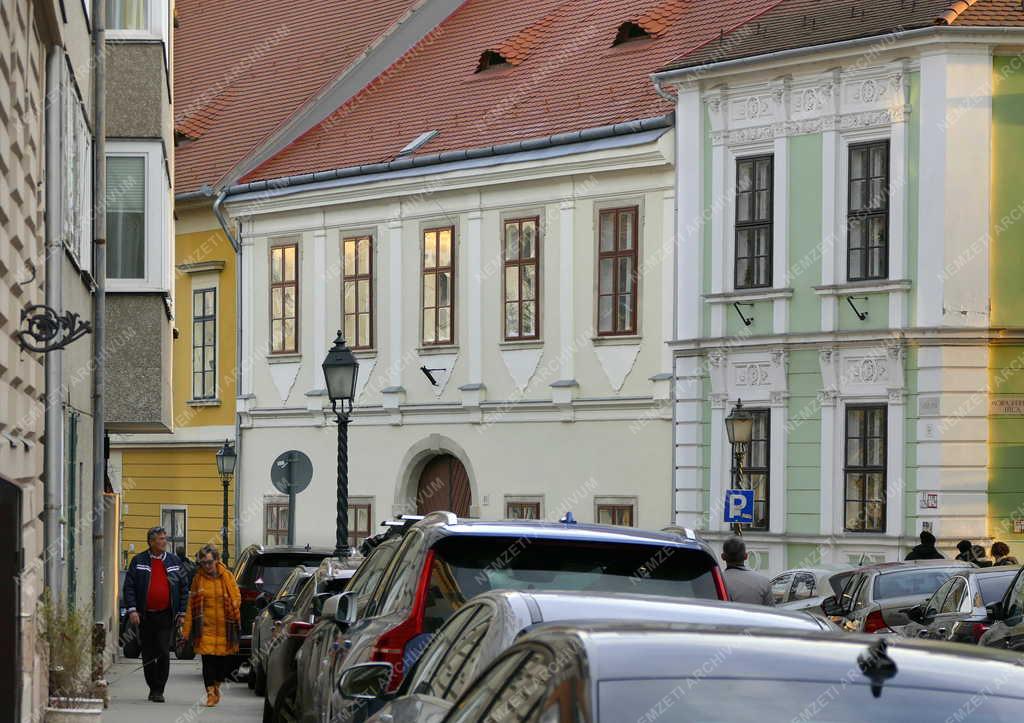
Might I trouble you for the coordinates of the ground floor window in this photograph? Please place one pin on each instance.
(615, 511)
(275, 522)
(864, 468)
(756, 466)
(523, 508)
(174, 520)
(360, 520)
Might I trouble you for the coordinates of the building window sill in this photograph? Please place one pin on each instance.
(439, 349)
(203, 402)
(522, 344)
(284, 358)
(364, 353)
(863, 287)
(730, 297)
(629, 340)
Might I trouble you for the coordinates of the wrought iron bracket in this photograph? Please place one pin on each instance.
(47, 331)
(747, 320)
(429, 373)
(862, 315)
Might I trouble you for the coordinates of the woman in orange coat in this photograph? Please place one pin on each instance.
(212, 620)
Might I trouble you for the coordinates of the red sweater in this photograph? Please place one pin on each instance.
(159, 596)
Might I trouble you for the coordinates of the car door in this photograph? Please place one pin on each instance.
(1008, 631)
(804, 586)
(942, 623)
(780, 587)
(929, 610)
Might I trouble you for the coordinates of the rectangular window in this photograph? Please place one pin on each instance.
(76, 177)
(438, 285)
(522, 510)
(174, 519)
(360, 521)
(357, 304)
(616, 271)
(864, 469)
(126, 217)
(867, 244)
(204, 343)
(521, 251)
(275, 522)
(754, 177)
(616, 514)
(755, 466)
(284, 299)
(128, 14)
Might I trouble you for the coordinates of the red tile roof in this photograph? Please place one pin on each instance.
(564, 75)
(242, 67)
(802, 23)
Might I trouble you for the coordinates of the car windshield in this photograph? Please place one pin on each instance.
(478, 564)
(717, 700)
(909, 582)
(274, 568)
(993, 587)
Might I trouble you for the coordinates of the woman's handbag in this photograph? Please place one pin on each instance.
(183, 649)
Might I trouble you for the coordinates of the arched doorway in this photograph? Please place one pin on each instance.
(443, 485)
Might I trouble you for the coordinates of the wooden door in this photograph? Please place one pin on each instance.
(10, 592)
(444, 485)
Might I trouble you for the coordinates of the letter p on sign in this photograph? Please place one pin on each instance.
(739, 506)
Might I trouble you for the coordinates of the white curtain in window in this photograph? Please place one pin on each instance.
(126, 217)
(127, 14)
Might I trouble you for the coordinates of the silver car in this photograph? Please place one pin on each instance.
(804, 588)
(491, 622)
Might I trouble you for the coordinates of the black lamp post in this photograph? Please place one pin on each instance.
(739, 426)
(226, 467)
(341, 371)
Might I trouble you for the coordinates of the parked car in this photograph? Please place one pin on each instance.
(957, 610)
(259, 572)
(617, 671)
(875, 599)
(490, 623)
(315, 658)
(1007, 618)
(804, 588)
(443, 562)
(269, 620)
(330, 578)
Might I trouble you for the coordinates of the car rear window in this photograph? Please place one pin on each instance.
(713, 700)
(469, 566)
(275, 567)
(993, 587)
(909, 582)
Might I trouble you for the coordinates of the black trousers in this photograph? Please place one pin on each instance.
(155, 632)
(217, 668)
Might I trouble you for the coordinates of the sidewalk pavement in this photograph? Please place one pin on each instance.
(185, 695)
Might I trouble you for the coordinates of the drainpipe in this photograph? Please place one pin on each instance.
(99, 270)
(236, 245)
(660, 90)
(53, 454)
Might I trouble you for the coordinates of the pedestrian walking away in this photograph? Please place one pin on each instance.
(926, 550)
(155, 591)
(965, 552)
(742, 583)
(1001, 554)
(213, 622)
(187, 565)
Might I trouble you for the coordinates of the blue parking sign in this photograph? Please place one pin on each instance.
(739, 506)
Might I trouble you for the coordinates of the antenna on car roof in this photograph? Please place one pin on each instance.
(876, 664)
(568, 519)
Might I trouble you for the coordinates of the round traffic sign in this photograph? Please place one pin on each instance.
(291, 469)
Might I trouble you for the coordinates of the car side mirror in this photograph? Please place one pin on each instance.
(995, 610)
(278, 609)
(341, 608)
(831, 607)
(318, 602)
(366, 681)
(261, 601)
(916, 614)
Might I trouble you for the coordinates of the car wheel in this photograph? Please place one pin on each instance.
(285, 708)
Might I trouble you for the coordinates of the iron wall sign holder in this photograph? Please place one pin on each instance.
(49, 331)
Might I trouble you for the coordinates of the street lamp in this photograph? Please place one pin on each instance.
(226, 459)
(739, 426)
(341, 371)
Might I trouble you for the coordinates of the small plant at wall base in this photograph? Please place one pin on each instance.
(67, 638)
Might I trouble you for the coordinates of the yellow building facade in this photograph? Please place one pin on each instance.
(171, 479)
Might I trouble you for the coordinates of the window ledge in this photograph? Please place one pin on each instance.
(203, 402)
(863, 287)
(284, 358)
(521, 344)
(439, 349)
(624, 340)
(729, 297)
(201, 267)
(364, 353)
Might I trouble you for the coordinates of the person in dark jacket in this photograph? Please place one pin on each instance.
(1001, 554)
(965, 552)
(926, 550)
(186, 564)
(155, 593)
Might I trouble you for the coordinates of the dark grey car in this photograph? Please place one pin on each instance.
(876, 598)
(1007, 615)
(957, 610)
(613, 672)
(268, 621)
(489, 623)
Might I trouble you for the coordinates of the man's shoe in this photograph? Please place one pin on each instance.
(156, 697)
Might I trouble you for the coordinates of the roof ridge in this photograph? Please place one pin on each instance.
(954, 11)
(733, 29)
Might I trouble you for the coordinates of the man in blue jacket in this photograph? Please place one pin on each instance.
(155, 593)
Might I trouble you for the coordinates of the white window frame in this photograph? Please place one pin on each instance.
(157, 234)
(203, 284)
(727, 273)
(525, 499)
(176, 508)
(156, 25)
(620, 501)
(76, 193)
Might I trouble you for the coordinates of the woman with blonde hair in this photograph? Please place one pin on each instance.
(212, 620)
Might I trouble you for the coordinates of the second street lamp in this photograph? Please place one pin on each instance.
(739, 426)
(226, 459)
(341, 369)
